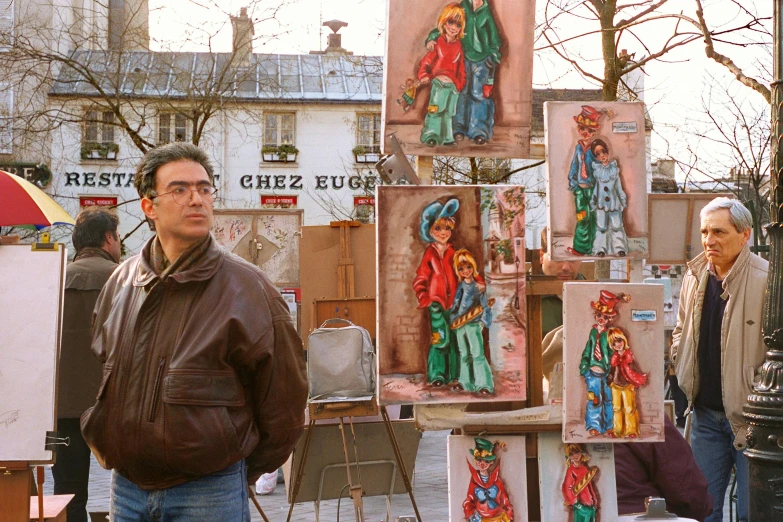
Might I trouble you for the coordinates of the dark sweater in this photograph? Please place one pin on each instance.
(710, 393)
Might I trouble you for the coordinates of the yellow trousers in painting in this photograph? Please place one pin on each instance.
(626, 417)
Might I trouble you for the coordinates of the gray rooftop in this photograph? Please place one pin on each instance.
(296, 77)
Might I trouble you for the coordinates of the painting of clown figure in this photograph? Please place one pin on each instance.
(487, 479)
(597, 185)
(613, 343)
(451, 283)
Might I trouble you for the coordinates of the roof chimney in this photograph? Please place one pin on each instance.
(242, 46)
(334, 40)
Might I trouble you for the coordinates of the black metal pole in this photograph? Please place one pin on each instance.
(764, 410)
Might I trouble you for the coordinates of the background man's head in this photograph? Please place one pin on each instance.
(96, 227)
(725, 229)
(565, 270)
(171, 180)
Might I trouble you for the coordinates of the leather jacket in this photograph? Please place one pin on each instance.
(201, 370)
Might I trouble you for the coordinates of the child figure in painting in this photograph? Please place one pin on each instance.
(444, 67)
(596, 363)
(623, 381)
(435, 285)
(487, 500)
(608, 202)
(581, 181)
(471, 312)
(408, 96)
(579, 491)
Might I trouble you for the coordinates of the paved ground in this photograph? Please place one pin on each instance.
(430, 487)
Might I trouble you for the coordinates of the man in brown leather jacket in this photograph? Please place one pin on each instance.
(203, 386)
(97, 246)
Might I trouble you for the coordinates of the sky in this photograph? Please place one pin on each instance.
(674, 86)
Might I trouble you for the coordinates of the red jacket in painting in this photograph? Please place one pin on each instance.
(444, 60)
(631, 376)
(489, 499)
(574, 476)
(435, 280)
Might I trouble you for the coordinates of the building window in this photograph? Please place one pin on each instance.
(172, 126)
(6, 119)
(98, 142)
(6, 25)
(368, 138)
(279, 137)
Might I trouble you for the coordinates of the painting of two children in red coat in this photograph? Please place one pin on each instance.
(451, 293)
(596, 180)
(458, 77)
(613, 348)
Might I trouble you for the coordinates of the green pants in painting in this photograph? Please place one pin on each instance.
(437, 123)
(474, 371)
(584, 234)
(583, 513)
(442, 357)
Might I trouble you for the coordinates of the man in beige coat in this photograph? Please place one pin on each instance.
(97, 246)
(717, 345)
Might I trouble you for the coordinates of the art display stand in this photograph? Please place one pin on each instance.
(349, 410)
(15, 491)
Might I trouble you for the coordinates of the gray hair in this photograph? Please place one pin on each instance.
(144, 181)
(739, 215)
(91, 227)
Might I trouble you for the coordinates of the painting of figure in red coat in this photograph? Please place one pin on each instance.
(451, 294)
(458, 77)
(487, 479)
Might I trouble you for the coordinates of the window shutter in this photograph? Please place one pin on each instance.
(6, 24)
(6, 118)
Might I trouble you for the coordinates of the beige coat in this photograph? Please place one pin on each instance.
(742, 344)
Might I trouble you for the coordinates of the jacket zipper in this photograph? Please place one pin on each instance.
(156, 389)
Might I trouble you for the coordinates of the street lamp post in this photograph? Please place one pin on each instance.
(764, 409)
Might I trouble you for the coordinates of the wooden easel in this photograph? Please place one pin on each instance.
(16, 490)
(348, 409)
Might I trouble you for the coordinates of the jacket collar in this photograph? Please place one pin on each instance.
(699, 264)
(93, 252)
(201, 270)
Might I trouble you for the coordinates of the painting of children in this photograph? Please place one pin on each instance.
(597, 185)
(623, 381)
(477, 64)
(444, 68)
(606, 397)
(470, 314)
(493, 473)
(608, 202)
(451, 323)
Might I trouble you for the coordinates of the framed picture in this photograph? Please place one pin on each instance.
(458, 79)
(451, 294)
(613, 345)
(596, 180)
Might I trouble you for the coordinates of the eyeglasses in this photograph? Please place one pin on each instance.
(183, 194)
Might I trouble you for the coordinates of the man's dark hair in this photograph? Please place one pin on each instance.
(92, 223)
(144, 181)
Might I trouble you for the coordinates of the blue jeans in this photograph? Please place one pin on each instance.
(599, 416)
(475, 114)
(712, 442)
(219, 496)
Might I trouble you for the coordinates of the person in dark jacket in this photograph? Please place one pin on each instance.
(97, 246)
(204, 385)
(661, 469)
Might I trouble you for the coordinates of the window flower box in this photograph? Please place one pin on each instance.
(281, 153)
(364, 154)
(95, 150)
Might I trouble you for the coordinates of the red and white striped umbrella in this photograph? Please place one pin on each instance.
(24, 204)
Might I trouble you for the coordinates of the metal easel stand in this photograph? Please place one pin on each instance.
(356, 490)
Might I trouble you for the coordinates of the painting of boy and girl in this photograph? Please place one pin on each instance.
(596, 180)
(451, 294)
(613, 344)
(458, 77)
